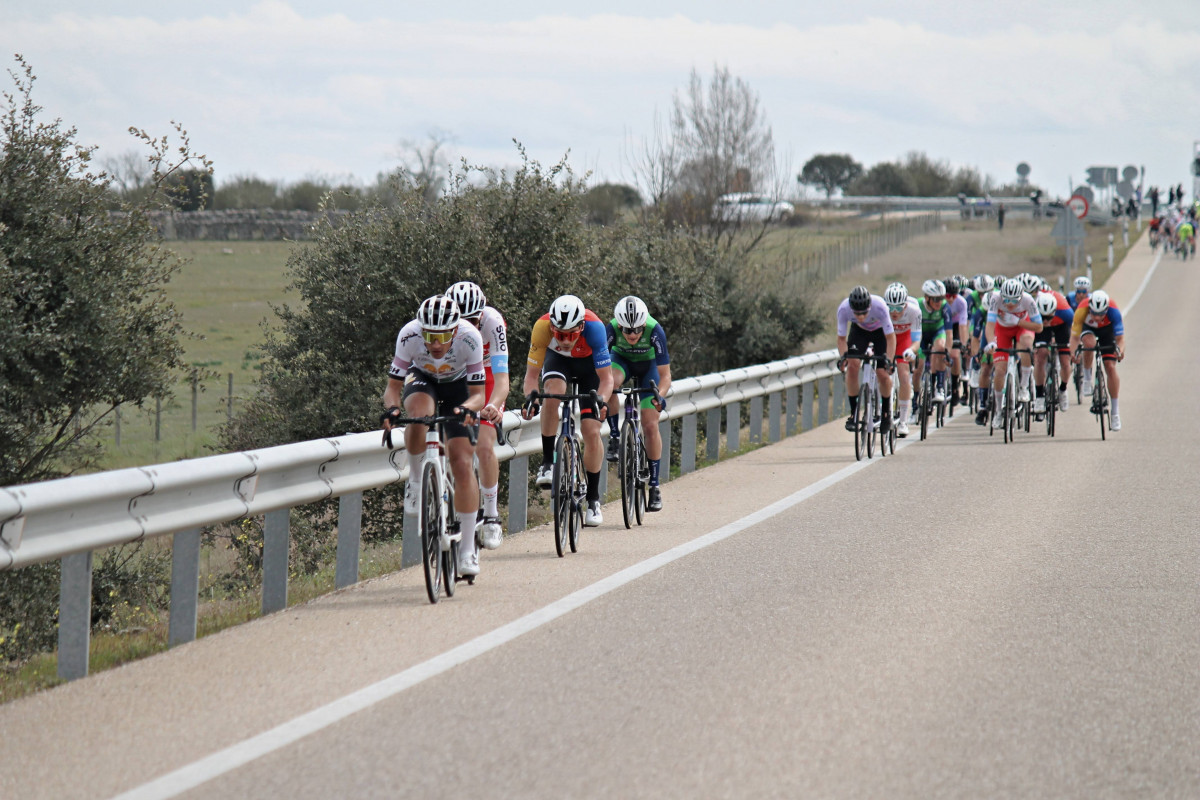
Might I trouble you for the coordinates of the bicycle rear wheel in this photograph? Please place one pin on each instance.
(1100, 397)
(431, 524)
(1010, 422)
(560, 492)
(627, 471)
(860, 411)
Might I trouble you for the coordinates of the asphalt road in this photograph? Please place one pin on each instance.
(967, 619)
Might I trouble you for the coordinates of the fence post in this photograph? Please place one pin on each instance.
(229, 400)
(74, 615)
(712, 434)
(687, 450)
(185, 586)
(518, 494)
(195, 398)
(823, 401)
(158, 419)
(792, 398)
(773, 411)
(276, 528)
(349, 526)
(756, 418)
(118, 410)
(809, 401)
(733, 424)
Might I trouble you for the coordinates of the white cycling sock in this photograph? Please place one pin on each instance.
(491, 498)
(1025, 375)
(1115, 410)
(902, 409)
(466, 525)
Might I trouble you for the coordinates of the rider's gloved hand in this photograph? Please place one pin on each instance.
(990, 348)
(532, 406)
(387, 417)
(469, 417)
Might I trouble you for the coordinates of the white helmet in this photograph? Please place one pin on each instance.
(1083, 283)
(1031, 283)
(1098, 302)
(984, 283)
(1011, 291)
(566, 313)
(933, 288)
(1047, 304)
(469, 297)
(438, 313)
(896, 294)
(631, 312)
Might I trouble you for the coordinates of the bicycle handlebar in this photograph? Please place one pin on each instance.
(430, 421)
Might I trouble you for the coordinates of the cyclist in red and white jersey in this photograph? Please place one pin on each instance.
(1012, 322)
(1057, 317)
(437, 369)
(490, 323)
(906, 317)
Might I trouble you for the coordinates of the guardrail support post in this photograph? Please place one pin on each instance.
(349, 526)
(74, 616)
(792, 399)
(185, 586)
(756, 418)
(839, 397)
(687, 450)
(773, 412)
(664, 431)
(410, 542)
(733, 424)
(810, 395)
(276, 529)
(712, 434)
(518, 494)
(823, 404)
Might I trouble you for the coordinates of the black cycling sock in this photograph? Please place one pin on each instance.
(1062, 387)
(1039, 390)
(853, 403)
(887, 406)
(593, 490)
(547, 450)
(612, 425)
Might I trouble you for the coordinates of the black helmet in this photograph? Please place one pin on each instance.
(951, 285)
(860, 298)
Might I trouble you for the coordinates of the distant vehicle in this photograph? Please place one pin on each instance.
(750, 207)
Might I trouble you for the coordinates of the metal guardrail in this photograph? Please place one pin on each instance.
(70, 518)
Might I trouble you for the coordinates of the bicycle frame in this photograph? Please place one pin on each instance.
(633, 466)
(568, 490)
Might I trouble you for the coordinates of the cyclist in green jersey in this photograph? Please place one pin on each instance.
(638, 345)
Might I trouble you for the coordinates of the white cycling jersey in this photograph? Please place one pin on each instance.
(464, 359)
(495, 340)
(910, 319)
(1025, 310)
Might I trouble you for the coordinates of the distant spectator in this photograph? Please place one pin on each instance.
(1000, 216)
(1153, 201)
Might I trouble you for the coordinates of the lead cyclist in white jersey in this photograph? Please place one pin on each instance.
(473, 305)
(438, 370)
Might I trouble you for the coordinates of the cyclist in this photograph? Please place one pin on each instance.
(638, 345)
(1013, 319)
(1057, 318)
(568, 344)
(906, 317)
(438, 369)
(960, 331)
(981, 286)
(862, 320)
(1083, 288)
(488, 321)
(1187, 236)
(935, 323)
(1099, 320)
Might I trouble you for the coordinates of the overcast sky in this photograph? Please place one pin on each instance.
(287, 89)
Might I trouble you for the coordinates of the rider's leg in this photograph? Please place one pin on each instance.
(593, 455)
(653, 440)
(549, 417)
(852, 366)
(417, 404)
(489, 470)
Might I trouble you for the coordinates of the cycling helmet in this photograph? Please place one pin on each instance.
(1045, 285)
(1031, 283)
(933, 288)
(896, 294)
(469, 297)
(1083, 284)
(438, 313)
(860, 298)
(951, 284)
(1098, 302)
(631, 312)
(998, 281)
(1011, 291)
(566, 313)
(963, 281)
(1047, 304)
(983, 283)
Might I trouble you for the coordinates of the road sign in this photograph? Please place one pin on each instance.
(1078, 205)
(1068, 230)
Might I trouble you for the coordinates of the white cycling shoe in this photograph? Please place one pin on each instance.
(1086, 388)
(1063, 403)
(1114, 422)
(592, 516)
(545, 476)
(490, 534)
(1039, 405)
(902, 429)
(468, 563)
(1023, 395)
(939, 396)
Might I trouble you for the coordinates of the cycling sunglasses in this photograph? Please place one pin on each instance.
(634, 331)
(566, 336)
(437, 337)
(897, 308)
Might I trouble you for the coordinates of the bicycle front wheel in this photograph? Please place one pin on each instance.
(1100, 397)
(578, 498)
(1010, 422)
(641, 482)
(431, 525)
(860, 444)
(872, 415)
(560, 492)
(627, 471)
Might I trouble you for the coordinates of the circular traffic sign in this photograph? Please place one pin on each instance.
(1078, 205)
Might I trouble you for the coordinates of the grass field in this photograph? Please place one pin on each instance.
(225, 293)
